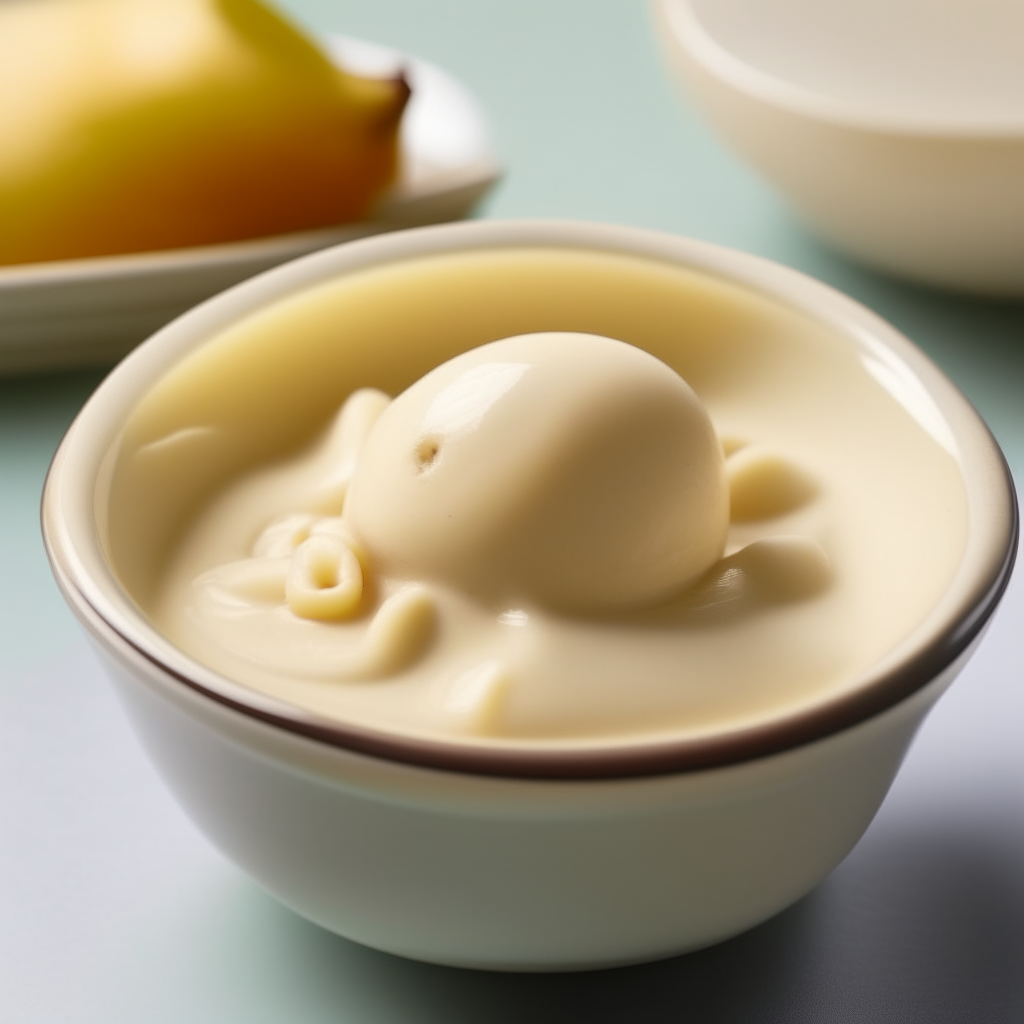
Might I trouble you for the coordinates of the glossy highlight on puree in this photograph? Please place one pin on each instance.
(261, 488)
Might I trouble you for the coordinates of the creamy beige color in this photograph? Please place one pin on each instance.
(854, 516)
(565, 470)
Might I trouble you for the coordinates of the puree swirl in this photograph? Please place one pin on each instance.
(541, 478)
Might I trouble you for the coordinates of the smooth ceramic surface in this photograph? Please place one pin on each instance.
(510, 874)
(480, 870)
(895, 128)
(81, 312)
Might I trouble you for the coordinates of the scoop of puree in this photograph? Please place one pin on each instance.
(559, 468)
(132, 125)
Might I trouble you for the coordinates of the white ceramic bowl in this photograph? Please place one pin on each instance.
(533, 860)
(895, 128)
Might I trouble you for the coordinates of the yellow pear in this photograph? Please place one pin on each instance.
(134, 125)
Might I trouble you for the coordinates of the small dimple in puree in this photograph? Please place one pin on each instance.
(554, 540)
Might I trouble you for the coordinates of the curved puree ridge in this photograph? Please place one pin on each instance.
(610, 498)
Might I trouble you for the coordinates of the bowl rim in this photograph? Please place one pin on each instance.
(72, 539)
(680, 23)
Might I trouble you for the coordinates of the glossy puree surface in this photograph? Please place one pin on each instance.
(847, 510)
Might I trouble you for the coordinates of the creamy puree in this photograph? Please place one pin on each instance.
(555, 537)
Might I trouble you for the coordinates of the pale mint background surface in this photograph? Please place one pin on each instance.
(113, 910)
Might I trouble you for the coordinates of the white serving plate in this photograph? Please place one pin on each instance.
(78, 312)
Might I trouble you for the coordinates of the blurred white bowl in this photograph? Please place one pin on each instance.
(79, 312)
(894, 127)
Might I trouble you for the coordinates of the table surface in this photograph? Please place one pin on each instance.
(114, 910)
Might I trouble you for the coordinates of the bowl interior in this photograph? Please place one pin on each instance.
(930, 62)
(255, 374)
